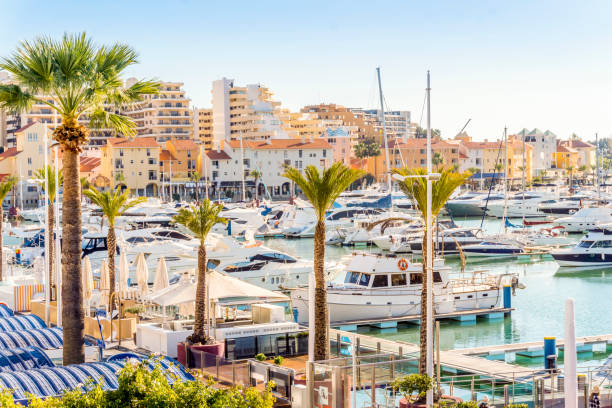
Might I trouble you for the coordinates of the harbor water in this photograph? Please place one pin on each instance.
(539, 307)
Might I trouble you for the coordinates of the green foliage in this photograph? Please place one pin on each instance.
(411, 384)
(201, 218)
(6, 186)
(85, 80)
(278, 360)
(135, 310)
(260, 357)
(421, 133)
(367, 148)
(466, 404)
(140, 387)
(518, 406)
(323, 189)
(49, 172)
(112, 204)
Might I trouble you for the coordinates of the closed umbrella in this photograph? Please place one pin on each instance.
(87, 281)
(124, 270)
(142, 274)
(104, 282)
(161, 276)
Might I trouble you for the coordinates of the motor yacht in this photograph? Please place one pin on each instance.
(593, 250)
(525, 204)
(447, 241)
(497, 247)
(585, 219)
(386, 286)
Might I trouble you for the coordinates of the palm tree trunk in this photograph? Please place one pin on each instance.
(321, 341)
(197, 193)
(1, 252)
(73, 313)
(50, 246)
(423, 327)
(198, 335)
(111, 243)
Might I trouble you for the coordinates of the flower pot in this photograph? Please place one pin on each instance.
(189, 354)
(405, 404)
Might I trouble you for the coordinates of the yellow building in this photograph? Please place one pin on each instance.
(132, 163)
(184, 156)
(516, 162)
(565, 156)
(165, 115)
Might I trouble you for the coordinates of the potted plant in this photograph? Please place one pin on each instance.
(417, 384)
(199, 220)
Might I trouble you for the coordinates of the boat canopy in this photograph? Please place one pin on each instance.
(47, 338)
(23, 358)
(21, 322)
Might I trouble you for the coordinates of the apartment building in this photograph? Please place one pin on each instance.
(203, 123)
(184, 154)
(587, 154)
(132, 163)
(345, 117)
(165, 115)
(397, 123)
(22, 161)
(544, 147)
(247, 112)
(227, 165)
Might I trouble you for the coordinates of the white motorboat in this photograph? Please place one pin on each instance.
(585, 219)
(525, 204)
(447, 241)
(337, 218)
(593, 250)
(384, 286)
(496, 247)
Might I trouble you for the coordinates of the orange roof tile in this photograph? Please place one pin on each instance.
(89, 163)
(9, 153)
(183, 144)
(282, 144)
(138, 142)
(166, 155)
(217, 155)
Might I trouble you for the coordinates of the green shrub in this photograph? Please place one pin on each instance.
(140, 387)
(518, 406)
(278, 360)
(466, 404)
(260, 357)
(409, 384)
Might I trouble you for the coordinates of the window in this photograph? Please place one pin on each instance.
(152, 161)
(120, 152)
(398, 279)
(29, 160)
(325, 152)
(152, 175)
(364, 280)
(300, 153)
(416, 279)
(585, 244)
(380, 281)
(603, 244)
(148, 152)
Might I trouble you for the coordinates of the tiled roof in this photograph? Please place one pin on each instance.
(419, 143)
(166, 155)
(483, 145)
(23, 128)
(576, 143)
(89, 163)
(282, 144)
(217, 155)
(9, 153)
(138, 142)
(183, 144)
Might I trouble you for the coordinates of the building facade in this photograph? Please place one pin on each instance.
(544, 147)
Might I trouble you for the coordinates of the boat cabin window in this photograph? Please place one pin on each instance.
(585, 244)
(417, 278)
(213, 263)
(244, 266)
(138, 240)
(273, 257)
(351, 277)
(380, 281)
(602, 244)
(364, 279)
(398, 279)
(95, 243)
(171, 234)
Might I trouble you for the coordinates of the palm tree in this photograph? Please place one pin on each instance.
(256, 174)
(199, 220)
(437, 160)
(49, 175)
(84, 82)
(5, 187)
(113, 205)
(322, 190)
(195, 177)
(570, 172)
(441, 190)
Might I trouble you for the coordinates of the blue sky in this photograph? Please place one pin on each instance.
(543, 64)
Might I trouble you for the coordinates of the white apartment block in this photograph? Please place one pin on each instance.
(225, 165)
(544, 146)
(397, 123)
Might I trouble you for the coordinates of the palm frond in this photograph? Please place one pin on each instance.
(112, 204)
(441, 189)
(49, 174)
(200, 219)
(6, 186)
(102, 119)
(14, 100)
(323, 189)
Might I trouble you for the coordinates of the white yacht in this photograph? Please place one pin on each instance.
(336, 218)
(593, 250)
(495, 247)
(521, 204)
(383, 286)
(585, 219)
(467, 205)
(446, 241)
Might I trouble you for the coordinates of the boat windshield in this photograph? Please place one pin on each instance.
(351, 277)
(603, 244)
(364, 279)
(273, 257)
(585, 244)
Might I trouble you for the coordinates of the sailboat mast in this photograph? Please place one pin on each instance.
(597, 167)
(505, 177)
(242, 161)
(524, 169)
(429, 258)
(384, 125)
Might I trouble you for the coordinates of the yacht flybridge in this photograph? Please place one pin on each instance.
(386, 286)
